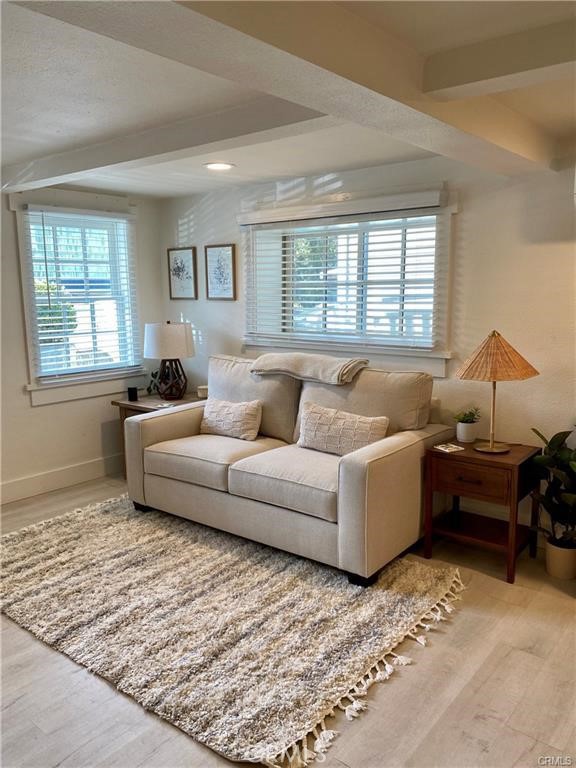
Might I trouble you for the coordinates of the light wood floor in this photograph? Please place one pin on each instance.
(494, 687)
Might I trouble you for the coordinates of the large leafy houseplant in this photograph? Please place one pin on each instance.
(557, 468)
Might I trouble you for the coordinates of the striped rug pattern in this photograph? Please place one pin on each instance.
(247, 649)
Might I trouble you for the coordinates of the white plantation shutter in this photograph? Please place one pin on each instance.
(376, 279)
(80, 289)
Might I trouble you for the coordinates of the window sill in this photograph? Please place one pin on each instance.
(82, 388)
(431, 361)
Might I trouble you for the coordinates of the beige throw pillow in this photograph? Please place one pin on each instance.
(332, 431)
(240, 420)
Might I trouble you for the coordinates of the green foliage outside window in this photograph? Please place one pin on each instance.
(313, 257)
(57, 316)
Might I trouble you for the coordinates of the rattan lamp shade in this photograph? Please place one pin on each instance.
(495, 360)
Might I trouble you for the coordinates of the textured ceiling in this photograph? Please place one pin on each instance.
(436, 26)
(64, 87)
(333, 149)
(551, 105)
(109, 95)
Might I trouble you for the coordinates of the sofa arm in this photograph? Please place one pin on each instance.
(379, 501)
(150, 428)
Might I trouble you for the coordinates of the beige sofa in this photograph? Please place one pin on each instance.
(355, 512)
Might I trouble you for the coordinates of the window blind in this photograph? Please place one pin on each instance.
(373, 280)
(79, 286)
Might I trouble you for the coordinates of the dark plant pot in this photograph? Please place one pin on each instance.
(560, 561)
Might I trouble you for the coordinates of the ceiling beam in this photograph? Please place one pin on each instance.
(261, 120)
(386, 75)
(503, 63)
(321, 56)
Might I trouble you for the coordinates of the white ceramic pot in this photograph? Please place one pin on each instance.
(560, 561)
(466, 433)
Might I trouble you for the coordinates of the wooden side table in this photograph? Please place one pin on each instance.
(147, 404)
(504, 479)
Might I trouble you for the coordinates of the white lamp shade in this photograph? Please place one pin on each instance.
(168, 341)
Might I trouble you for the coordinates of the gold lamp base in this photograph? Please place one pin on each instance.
(496, 448)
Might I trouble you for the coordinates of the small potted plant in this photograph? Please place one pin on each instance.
(557, 468)
(466, 425)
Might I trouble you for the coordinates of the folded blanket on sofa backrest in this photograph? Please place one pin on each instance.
(322, 368)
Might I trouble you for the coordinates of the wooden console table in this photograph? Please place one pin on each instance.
(503, 479)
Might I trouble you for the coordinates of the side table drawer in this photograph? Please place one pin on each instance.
(461, 479)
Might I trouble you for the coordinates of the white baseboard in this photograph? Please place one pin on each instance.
(33, 485)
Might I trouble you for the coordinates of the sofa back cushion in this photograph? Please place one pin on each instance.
(229, 378)
(402, 396)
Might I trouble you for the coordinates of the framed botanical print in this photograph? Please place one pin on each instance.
(182, 273)
(220, 272)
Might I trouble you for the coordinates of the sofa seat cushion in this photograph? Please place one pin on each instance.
(202, 459)
(291, 477)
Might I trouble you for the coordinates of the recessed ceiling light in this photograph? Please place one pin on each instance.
(219, 166)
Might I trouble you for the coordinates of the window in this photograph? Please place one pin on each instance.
(375, 280)
(80, 293)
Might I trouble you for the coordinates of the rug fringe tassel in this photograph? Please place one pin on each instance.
(298, 754)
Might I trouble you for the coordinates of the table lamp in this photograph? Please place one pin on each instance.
(495, 360)
(168, 342)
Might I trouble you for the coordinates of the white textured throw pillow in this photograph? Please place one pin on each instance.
(232, 419)
(332, 431)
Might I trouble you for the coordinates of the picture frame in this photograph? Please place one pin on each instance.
(182, 272)
(220, 272)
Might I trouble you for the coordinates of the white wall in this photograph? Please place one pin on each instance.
(51, 446)
(514, 270)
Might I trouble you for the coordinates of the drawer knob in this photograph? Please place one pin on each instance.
(468, 480)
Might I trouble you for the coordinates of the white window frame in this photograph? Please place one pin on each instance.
(95, 382)
(432, 358)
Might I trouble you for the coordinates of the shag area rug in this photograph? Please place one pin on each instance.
(247, 649)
